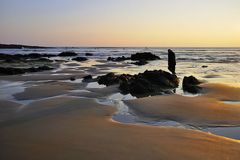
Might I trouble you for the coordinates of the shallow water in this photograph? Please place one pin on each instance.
(124, 115)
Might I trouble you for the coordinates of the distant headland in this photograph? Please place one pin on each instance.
(18, 46)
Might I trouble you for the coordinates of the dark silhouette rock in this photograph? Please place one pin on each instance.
(147, 56)
(23, 57)
(88, 54)
(13, 71)
(88, 78)
(171, 61)
(190, 84)
(108, 79)
(72, 78)
(140, 58)
(138, 86)
(142, 84)
(118, 59)
(149, 83)
(80, 59)
(67, 54)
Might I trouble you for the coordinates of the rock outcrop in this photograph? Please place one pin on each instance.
(147, 56)
(67, 54)
(142, 84)
(13, 71)
(190, 84)
(140, 58)
(80, 59)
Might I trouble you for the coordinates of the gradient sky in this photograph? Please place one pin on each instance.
(146, 23)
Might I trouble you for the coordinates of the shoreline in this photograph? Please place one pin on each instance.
(48, 113)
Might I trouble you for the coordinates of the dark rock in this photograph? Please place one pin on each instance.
(139, 86)
(141, 58)
(140, 63)
(13, 71)
(88, 54)
(161, 78)
(67, 54)
(171, 61)
(80, 59)
(118, 59)
(190, 84)
(142, 84)
(108, 79)
(72, 78)
(149, 83)
(88, 78)
(204, 66)
(147, 56)
(23, 57)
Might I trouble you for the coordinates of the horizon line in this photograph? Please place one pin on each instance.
(93, 46)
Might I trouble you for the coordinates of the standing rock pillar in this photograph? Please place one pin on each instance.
(171, 61)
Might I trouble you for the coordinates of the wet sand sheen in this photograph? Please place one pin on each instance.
(78, 128)
(206, 110)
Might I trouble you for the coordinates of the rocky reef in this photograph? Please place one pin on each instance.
(80, 59)
(142, 84)
(14, 71)
(140, 58)
(67, 54)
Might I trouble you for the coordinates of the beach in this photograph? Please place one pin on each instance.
(58, 114)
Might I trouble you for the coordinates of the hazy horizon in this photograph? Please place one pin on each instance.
(112, 23)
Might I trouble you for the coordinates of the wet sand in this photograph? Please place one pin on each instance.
(77, 128)
(205, 110)
(58, 123)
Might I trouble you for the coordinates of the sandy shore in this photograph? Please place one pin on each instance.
(205, 110)
(77, 128)
(48, 89)
(63, 120)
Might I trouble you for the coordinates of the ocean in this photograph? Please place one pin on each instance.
(220, 65)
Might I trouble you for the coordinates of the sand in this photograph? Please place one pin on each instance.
(77, 128)
(223, 92)
(7, 108)
(46, 90)
(97, 92)
(205, 110)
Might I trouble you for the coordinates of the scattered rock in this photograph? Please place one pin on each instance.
(88, 78)
(88, 54)
(72, 78)
(147, 56)
(67, 54)
(24, 57)
(80, 59)
(118, 59)
(190, 84)
(13, 71)
(140, 58)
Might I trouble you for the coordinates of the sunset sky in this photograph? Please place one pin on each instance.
(145, 23)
